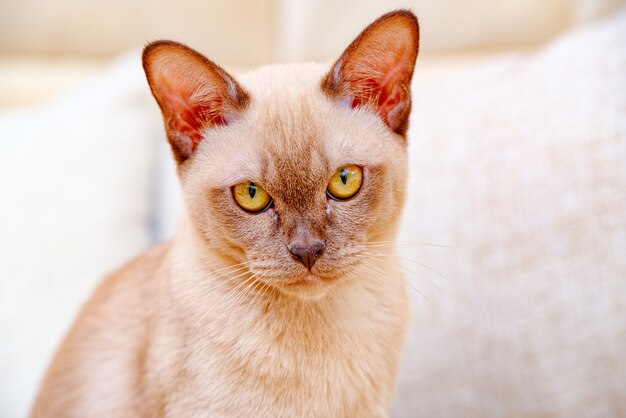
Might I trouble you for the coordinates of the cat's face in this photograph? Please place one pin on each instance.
(292, 169)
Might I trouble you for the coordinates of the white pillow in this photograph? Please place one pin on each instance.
(521, 166)
(75, 203)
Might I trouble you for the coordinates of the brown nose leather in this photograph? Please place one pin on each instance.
(307, 252)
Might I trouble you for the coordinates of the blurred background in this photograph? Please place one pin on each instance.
(47, 46)
(518, 167)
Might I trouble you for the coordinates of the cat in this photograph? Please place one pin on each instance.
(265, 302)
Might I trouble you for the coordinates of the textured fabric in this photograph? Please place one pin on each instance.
(520, 166)
(74, 204)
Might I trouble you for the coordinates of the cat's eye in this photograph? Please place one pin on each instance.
(251, 197)
(346, 182)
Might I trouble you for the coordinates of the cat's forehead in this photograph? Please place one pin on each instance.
(293, 116)
(292, 128)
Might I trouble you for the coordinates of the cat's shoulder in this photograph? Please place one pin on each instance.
(87, 360)
(146, 263)
(132, 283)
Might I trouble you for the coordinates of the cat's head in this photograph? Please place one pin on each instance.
(294, 168)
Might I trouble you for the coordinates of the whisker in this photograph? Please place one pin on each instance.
(246, 291)
(379, 281)
(259, 293)
(230, 269)
(220, 282)
(380, 272)
(380, 278)
(406, 269)
(234, 290)
(426, 266)
(233, 269)
(355, 279)
(408, 244)
(244, 263)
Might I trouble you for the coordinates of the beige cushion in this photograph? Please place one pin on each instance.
(75, 203)
(520, 165)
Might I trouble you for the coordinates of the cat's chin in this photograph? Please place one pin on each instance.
(310, 287)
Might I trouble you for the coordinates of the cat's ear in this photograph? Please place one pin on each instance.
(194, 93)
(376, 69)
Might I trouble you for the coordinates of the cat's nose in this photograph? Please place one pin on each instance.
(307, 252)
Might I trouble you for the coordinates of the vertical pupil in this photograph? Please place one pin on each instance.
(252, 190)
(344, 175)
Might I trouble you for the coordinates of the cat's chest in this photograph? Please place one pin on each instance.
(302, 352)
(285, 383)
(334, 367)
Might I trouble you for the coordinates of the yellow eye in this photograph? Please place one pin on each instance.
(251, 197)
(346, 182)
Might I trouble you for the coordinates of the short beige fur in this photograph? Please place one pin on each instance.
(222, 321)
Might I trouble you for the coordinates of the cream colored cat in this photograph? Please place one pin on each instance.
(262, 304)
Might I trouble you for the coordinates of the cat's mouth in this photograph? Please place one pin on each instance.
(300, 282)
(311, 286)
(308, 280)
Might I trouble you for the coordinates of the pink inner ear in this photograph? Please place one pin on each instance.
(375, 70)
(194, 94)
(388, 91)
(394, 106)
(188, 115)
